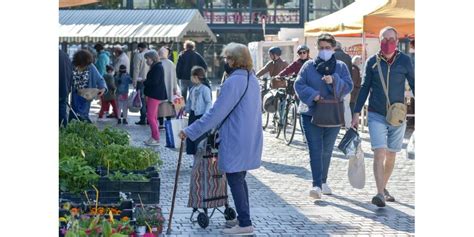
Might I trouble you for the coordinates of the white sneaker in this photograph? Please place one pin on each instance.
(152, 142)
(326, 189)
(315, 192)
(237, 230)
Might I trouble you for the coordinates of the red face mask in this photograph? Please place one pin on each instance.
(388, 47)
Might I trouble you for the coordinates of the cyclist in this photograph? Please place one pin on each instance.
(276, 65)
(295, 66)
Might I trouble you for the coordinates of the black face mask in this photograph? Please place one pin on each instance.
(228, 69)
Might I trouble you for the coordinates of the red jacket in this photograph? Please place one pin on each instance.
(293, 68)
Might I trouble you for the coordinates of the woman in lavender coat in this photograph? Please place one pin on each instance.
(241, 136)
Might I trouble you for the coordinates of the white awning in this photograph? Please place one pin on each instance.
(127, 26)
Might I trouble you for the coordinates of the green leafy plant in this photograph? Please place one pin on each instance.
(119, 176)
(117, 157)
(75, 175)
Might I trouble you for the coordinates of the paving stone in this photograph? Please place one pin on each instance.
(279, 201)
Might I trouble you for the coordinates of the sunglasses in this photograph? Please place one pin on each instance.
(302, 52)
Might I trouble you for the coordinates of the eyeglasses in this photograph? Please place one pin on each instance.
(302, 52)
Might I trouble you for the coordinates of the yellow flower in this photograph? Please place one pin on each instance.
(125, 219)
(62, 219)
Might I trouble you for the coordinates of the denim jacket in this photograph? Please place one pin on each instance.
(122, 87)
(199, 100)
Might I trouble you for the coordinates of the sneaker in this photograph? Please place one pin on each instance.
(119, 121)
(326, 189)
(111, 116)
(152, 142)
(141, 123)
(231, 223)
(315, 192)
(125, 121)
(388, 197)
(237, 230)
(378, 200)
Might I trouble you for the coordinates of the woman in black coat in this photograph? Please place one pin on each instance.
(155, 91)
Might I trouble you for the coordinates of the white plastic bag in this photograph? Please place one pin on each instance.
(134, 101)
(173, 127)
(356, 169)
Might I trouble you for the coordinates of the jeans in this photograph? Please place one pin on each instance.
(123, 106)
(141, 87)
(240, 193)
(185, 86)
(383, 135)
(152, 108)
(320, 142)
(81, 106)
(63, 111)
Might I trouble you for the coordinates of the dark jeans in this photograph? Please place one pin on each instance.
(185, 86)
(320, 142)
(240, 193)
(63, 111)
(141, 87)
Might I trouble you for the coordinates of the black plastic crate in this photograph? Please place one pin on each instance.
(109, 191)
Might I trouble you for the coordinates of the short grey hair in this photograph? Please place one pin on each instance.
(152, 54)
(338, 45)
(356, 58)
(163, 52)
(385, 29)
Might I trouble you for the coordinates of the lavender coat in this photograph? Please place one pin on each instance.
(241, 136)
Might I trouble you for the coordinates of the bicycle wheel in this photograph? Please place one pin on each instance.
(291, 122)
(276, 128)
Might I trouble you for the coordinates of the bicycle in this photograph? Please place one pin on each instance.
(264, 90)
(291, 111)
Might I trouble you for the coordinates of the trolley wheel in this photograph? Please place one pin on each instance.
(203, 220)
(230, 214)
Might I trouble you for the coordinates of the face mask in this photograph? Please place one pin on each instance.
(325, 54)
(388, 47)
(228, 69)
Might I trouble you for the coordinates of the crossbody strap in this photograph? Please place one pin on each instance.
(235, 106)
(382, 80)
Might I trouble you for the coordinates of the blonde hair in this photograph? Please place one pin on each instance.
(239, 54)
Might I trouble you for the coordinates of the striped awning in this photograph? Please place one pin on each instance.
(127, 26)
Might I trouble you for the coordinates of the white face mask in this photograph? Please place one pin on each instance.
(325, 54)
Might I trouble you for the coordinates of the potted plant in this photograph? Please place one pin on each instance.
(140, 222)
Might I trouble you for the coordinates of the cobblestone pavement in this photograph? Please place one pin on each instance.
(280, 205)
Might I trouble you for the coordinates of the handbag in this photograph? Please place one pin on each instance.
(349, 142)
(166, 109)
(329, 112)
(396, 112)
(134, 101)
(88, 93)
(172, 129)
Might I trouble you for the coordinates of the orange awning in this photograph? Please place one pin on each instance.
(75, 3)
(397, 13)
(366, 16)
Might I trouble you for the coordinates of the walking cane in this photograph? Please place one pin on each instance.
(74, 112)
(175, 187)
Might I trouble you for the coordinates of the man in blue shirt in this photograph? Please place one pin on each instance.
(386, 139)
